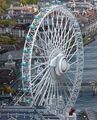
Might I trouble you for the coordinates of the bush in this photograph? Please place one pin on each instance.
(29, 1)
(7, 22)
(4, 4)
(4, 39)
(89, 38)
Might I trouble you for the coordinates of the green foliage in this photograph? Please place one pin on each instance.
(7, 39)
(8, 89)
(23, 1)
(4, 4)
(86, 40)
(29, 1)
(7, 22)
(89, 38)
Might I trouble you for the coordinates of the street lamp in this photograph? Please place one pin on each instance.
(85, 117)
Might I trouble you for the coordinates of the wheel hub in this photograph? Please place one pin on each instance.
(60, 64)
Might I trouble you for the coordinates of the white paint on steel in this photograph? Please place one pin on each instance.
(52, 62)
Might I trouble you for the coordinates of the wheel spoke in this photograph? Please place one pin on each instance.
(70, 44)
(71, 81)
(34, 79)
(61, 29)
(49, 91)
(45, 92)
(41, 87)
(73, 63)
(42, 40)
(64, 29)
(45, 63)
(65, 41)
(66, 37)
(69, 88)
(66, 94)
(72, 56)
(36, 46)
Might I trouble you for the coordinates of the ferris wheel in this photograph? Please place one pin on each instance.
(52, 62)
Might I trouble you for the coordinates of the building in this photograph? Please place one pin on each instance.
(18, 30)
(23, 18)
(15, 10)
(23, 15)
(95, 4)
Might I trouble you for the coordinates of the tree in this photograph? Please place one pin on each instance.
(7, 39)
(29, 1)
(8, 89)
(23, 1)
(7, 22)
(4, 4)
(32, 1)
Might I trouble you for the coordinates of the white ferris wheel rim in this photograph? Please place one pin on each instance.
(48, 80)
